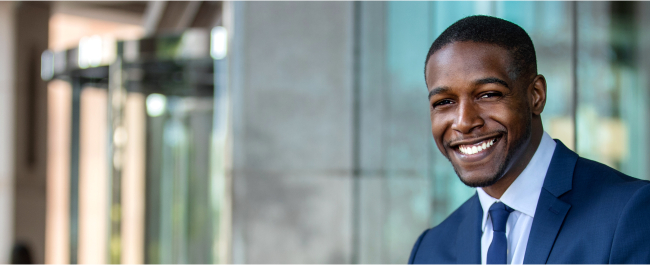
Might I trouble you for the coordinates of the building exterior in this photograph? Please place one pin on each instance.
(313, 144)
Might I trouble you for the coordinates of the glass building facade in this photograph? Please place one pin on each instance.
(593, 54)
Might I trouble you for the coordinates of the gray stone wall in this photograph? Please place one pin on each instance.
(291, 86)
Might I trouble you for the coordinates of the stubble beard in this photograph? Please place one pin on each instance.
(486, 182)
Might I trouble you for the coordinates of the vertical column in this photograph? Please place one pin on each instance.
(93, 181)
(118, 140)
(57, 237)
(356, 133)
(74, 169)
(220, 154)
(133, 184)
(7, 122)
(371, 103)
(292, 121)
(31, 39)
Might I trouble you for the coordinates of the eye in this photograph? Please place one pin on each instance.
(491, 94)
(442, 103)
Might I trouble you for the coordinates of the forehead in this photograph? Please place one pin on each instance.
(467, 61)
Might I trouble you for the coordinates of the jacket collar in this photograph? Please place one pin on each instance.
(551, 210)
(560, 172)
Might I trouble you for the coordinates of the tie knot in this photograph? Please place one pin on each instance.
(499, 213)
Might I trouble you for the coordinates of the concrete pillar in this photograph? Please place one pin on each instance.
(30, 129)
(291, 80)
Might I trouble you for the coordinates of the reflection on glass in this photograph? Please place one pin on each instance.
(180, 223)
(549, 24)
(156, 104)
(612, 120)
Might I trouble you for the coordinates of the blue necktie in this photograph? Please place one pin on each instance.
(498, 251)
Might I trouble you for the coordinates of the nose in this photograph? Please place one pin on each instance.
(468, 117)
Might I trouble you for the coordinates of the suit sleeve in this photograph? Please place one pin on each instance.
(416, 247)
(631, 243)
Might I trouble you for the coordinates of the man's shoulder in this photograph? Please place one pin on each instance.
(588, 177)
(599, 177)
(449, 227)
(440, 241)
(595, 186)
(608, 212)
(468, 208)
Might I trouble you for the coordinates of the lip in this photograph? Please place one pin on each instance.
(472, 158)
(455, 144)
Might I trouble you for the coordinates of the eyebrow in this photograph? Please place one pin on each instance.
(438, 90)
(492, 80)
(482, 81)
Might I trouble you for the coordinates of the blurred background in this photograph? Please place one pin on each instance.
(270, 132)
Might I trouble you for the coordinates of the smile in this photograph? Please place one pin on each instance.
(477, 147)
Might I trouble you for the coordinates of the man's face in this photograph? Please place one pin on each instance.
(480, 117)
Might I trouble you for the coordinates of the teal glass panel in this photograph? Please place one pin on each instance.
(406, 128)
(612, 122)
(599, 51)
(550, 26)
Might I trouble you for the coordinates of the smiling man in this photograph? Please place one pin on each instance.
(536, 200)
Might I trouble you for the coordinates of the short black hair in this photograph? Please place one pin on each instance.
(491, 30)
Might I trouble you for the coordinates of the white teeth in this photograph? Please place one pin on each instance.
(470, 150)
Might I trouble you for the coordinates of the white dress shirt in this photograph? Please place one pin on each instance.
(522, 196)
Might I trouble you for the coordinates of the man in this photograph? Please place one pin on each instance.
(536, 201)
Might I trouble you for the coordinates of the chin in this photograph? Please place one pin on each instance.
(482, 177)
(486, 173)
(478, 181)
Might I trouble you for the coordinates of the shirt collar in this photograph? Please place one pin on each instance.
(523, 193)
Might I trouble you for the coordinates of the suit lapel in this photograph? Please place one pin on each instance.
(551, 211)
(468, 243)
(548, 220)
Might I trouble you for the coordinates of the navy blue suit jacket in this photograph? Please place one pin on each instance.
(586, 213)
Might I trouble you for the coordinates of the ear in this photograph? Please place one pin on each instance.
(537, 94)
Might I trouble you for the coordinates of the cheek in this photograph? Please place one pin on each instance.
(439, 124)
(440, 128)
(508, 107)
(510, 118)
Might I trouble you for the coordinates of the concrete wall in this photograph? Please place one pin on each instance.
(291, 86)
(23, 127)
(332, 148)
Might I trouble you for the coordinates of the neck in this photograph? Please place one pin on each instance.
(520, 162)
